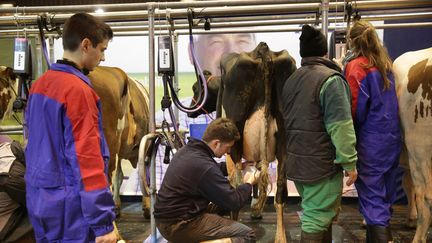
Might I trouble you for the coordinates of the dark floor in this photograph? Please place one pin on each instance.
(348, 228)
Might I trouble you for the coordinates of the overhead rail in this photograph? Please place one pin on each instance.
(399, 14)
(123, 28)
(211, 10)
(270, 30)
(134, 6)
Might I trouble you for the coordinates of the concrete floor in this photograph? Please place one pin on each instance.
(135, 228)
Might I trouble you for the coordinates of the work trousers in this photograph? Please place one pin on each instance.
(204, 227)
(320, 202)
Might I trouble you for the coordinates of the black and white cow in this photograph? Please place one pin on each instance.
(249, 93)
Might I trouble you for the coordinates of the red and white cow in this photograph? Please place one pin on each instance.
(7, 90)
(125, 117)
(413, 74)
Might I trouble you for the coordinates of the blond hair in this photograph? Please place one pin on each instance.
(364, 41)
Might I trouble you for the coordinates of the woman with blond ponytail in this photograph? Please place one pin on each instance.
(375, 115)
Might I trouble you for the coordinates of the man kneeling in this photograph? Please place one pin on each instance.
(193, 180)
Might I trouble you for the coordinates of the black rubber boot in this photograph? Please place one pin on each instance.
(312, 237)
(328, 235)
(378, 234)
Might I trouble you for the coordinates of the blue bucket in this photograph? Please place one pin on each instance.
(197, 130)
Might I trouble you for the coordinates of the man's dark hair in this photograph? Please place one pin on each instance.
(223, 129)
(81, 26)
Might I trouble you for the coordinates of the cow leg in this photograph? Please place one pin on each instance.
(263, 181)
(420, 166)
(408, 186)
(254, 200)
(281, 193)
(424, 217)
(116, 183)
(235, 178)
(117, 232)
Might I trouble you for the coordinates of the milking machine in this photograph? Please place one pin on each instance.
(171, 139)
(23, 70)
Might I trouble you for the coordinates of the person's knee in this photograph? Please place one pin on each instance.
(249, 235)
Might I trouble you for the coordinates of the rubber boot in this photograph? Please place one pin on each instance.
(378, 234)
(328, 235)
(312, 237)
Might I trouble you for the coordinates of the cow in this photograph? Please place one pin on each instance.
(249, 92)
(7, 90)
(413, 75)
(125, 117)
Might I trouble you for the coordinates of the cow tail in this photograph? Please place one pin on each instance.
(264, 177)
(125, 98)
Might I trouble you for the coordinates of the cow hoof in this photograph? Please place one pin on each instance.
(146, 213)
(256, 216)
(411, 223)
(363, 224)
(117, 212)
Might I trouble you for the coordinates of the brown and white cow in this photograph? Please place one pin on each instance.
(7, 90)
(249, 94)
(413, 74)
(125, 117)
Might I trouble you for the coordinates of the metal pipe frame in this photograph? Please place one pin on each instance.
(282, 22)
(227, 28)
(268, 9)
(132, 6)
(325, 12)
(270, 30)
(366, 4)
(410, 13)
(152, 121)
(260, 20)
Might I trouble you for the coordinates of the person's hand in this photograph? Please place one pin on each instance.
(251, 175)
(352, 177)
(107, 238)
(339, 61)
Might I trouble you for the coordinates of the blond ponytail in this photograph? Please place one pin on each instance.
(364, 40)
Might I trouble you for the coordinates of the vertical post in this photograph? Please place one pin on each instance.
(176, 79)
(325, 11)
(39, 54)
(152, 125)
(51, 49)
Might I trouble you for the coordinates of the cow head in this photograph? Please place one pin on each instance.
(7, 90)
(213, 83)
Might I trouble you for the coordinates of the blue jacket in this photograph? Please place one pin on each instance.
(68, 196)
(375, 115)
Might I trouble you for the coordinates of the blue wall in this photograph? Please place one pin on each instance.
(400, 40)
